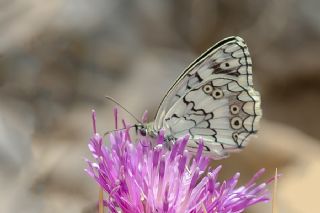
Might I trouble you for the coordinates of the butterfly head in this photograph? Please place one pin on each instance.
(145, 129)
(141, 129)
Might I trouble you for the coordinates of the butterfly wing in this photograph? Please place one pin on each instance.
(230, 57)
(214, 100)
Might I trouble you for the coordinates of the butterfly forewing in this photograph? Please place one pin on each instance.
(213, 100)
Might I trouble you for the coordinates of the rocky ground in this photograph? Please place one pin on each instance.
(58, 61)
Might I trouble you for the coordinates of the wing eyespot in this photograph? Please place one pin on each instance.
(225, 65)
(217, 93)
(236, 123)
(208, 88)
(235, 136)
(234, 109)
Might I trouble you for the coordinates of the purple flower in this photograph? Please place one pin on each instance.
(140, 177)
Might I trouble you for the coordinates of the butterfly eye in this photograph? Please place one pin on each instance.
(143, 132)
(217, 93)
(208, 89)
(234, 109)
(236, 123)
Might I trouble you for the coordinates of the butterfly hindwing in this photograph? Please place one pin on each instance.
(220, 111)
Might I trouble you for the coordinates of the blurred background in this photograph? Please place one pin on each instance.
(58, 59)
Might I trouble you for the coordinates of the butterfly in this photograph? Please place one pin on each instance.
(212, 99)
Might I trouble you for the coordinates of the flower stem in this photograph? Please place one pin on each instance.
(101, 209)
(274, 197)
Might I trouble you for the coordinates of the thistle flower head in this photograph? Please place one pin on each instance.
(139, 177)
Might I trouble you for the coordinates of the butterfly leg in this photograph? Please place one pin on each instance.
(169, 141)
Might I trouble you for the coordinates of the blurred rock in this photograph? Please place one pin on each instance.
(298, 186)
(21, 20)
(294, 154)
(59, 59)
(16, 129)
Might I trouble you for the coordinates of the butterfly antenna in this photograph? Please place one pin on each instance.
(115, 130)
(117, 103)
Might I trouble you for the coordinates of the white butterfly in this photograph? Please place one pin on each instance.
(212, 99)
